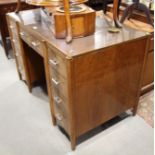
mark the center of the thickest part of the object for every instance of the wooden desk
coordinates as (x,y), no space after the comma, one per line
(5,7)
(89,81)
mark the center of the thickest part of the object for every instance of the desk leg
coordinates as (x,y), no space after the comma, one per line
(29,87)
(47,75)
(134,110)
(73,142)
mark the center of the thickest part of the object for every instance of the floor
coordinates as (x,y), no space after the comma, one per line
(146,108)
(26,127)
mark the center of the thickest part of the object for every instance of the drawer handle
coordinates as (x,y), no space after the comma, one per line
(53,62)
(35,44)
(11,27)
(20,68)
(16,54)
(13,40)
(57,99)
(55,81)
(59,117)
(22,33)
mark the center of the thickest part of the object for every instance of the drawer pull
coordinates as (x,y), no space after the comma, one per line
(16,54)
(20,68)
(35,44)
(22,33)
(13,40)
(55,81)
(59,117)
(53,62)
(57,99)
(11,27)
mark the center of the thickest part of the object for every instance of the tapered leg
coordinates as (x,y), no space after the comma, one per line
(29,87)
(134,110)
(53,120)
(73,142)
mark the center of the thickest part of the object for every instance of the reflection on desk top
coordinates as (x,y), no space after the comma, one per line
(36,18)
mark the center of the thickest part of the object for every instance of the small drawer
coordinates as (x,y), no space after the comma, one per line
(33,42)
(59,84)
(62,117)
(57,63)
(151,43)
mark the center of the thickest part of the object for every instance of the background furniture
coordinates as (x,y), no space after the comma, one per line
(5,7)
(138,21)
(89,81)
(136,5)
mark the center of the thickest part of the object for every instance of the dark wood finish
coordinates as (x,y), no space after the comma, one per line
(5,7)
(91,80)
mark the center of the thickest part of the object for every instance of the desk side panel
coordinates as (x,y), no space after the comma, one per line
(107,83)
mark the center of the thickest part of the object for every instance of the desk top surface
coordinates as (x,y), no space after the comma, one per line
(36,18)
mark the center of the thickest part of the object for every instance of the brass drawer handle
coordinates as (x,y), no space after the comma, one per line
(35,44)
(59,117)
(57,99)
(11,27)
(53,62)
(55,81)
(22,33)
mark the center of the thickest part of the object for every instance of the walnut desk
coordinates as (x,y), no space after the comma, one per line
(89,81)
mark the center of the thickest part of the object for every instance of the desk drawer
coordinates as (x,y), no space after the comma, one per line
(59,83)
(57,63)
(62,117)
(33,42)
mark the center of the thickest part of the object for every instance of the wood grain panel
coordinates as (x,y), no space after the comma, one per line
(106,83)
